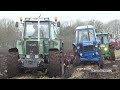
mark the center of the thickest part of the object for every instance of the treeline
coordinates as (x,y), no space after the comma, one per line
(67,30)
(8,33)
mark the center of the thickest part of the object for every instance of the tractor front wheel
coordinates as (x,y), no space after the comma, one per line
(76,61)
(101,63)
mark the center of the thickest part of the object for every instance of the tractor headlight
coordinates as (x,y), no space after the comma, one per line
(105,49)
(96,46)
(80,54)
(27,56)
(78,47)
(97,53)
(36,56)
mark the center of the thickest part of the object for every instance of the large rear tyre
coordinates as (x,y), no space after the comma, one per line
(12,64)
(56,66)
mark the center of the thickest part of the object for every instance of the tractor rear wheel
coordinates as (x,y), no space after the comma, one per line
(55,66)
(112,54)
(12,64)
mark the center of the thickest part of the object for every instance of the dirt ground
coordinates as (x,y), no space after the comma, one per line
(3,54)
(111,70)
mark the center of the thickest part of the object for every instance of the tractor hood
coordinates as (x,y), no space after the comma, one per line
(84,43)
(102,46)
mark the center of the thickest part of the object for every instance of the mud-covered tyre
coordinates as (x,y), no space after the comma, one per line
(112,54)
(55,66)
(12,64)
(101,63)
(76,61)
(21,71)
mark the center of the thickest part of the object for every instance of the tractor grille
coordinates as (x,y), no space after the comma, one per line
(32,47)
(88,48)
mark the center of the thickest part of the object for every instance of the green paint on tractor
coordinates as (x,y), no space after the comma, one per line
(39,48)
(106,50)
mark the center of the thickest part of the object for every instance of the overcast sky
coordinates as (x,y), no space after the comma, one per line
(103,16)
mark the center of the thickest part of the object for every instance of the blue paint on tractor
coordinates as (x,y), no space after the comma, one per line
(87,49)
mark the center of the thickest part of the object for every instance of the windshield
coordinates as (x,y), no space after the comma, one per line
(32,30)
(86,35)
(103,39)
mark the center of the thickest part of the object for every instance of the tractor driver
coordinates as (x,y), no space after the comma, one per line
(36,31)
(84,37)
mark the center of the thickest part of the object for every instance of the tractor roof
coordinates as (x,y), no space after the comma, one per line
(84,27)
(36,19)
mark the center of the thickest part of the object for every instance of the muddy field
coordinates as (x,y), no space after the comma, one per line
(111,70)
(3,54)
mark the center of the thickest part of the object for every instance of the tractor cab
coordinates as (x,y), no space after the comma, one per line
(39,48)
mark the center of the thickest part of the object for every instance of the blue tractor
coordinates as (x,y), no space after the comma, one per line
(86,46)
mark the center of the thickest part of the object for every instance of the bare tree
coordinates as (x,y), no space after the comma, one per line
(8,33)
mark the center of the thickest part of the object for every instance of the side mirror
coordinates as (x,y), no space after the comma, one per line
(16,24)
(58,24)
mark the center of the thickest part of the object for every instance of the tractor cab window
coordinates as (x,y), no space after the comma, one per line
(53,31)
(32,30)
(86,35)
(103,39)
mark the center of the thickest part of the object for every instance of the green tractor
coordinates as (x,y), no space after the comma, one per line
(106,50)
(39,49)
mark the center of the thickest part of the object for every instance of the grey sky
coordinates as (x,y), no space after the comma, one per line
(103,16)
